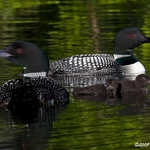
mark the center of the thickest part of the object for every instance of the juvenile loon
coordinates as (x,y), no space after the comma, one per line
(35,61)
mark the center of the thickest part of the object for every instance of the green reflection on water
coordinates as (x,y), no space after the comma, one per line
(63,28)
(94,125)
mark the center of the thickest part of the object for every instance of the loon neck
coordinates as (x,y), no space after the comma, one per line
(123,51)
(125,59)
(33,74)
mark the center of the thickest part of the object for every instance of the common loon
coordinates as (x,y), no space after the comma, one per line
(125,41)
(123,60)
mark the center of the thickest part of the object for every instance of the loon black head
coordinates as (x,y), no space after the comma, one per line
(129,38)
(27,55)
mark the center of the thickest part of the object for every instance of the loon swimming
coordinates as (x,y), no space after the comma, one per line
(123,58)
(115,88)
(36,62)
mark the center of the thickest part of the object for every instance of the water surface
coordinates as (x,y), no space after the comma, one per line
(63,28)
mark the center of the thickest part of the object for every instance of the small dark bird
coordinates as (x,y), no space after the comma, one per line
(115,88)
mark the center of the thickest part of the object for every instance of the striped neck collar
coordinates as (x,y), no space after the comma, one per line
(35,74)
(125,59)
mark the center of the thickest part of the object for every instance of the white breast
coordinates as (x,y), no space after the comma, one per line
(133,69)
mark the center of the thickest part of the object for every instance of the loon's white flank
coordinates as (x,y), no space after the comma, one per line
(133,69)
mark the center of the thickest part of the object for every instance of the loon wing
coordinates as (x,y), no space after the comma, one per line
(84,64)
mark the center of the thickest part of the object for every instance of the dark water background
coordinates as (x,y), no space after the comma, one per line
(63,28)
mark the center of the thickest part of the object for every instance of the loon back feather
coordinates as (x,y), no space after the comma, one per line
(51,86)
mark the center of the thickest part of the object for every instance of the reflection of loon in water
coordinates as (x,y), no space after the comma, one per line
(28,131)
(84,69)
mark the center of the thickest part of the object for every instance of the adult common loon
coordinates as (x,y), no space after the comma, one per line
(125,41)
(36,62)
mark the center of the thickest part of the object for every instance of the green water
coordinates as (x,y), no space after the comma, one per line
(63,28)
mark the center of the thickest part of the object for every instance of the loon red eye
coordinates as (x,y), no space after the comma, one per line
(19,51)
(131,36)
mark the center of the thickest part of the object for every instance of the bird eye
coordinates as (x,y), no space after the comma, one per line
(19,51)
(131,36)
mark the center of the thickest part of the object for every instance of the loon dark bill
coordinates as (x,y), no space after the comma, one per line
(5,54)
(146,40)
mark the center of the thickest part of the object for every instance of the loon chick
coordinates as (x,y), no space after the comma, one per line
(115,88)
(136,87)
(34,60)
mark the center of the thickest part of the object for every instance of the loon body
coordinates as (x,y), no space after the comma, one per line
(93,64)
(56,92)
(29,93)
(85,64)
(122,61)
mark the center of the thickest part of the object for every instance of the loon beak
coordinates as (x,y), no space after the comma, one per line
(4,54)
(146,40)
